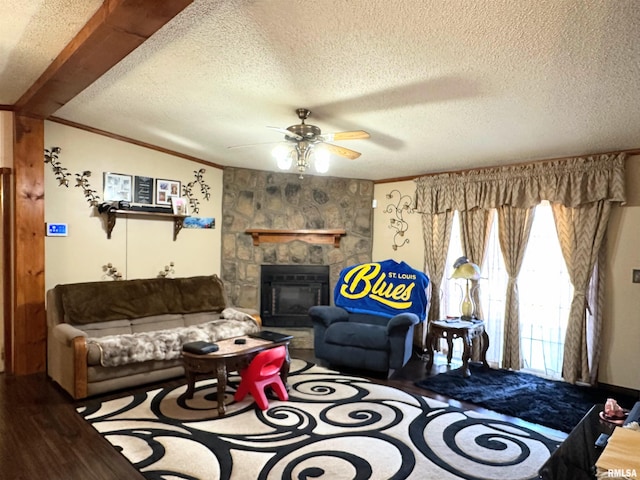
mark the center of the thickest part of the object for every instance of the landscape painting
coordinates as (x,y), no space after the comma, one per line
(199,222)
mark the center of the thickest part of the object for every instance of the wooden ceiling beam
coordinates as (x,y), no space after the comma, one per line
(114,31)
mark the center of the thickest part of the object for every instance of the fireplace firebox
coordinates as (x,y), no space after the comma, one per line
(288,291)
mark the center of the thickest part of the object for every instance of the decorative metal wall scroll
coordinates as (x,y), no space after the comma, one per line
(398,209)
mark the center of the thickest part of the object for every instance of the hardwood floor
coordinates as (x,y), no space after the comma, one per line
(42,436)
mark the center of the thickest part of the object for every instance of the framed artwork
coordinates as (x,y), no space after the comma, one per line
(117,187)
(199,222)
(165,189)
(143,190)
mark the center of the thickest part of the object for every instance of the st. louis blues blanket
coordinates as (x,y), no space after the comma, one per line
(382,288)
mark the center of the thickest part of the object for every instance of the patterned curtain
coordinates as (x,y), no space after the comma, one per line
(595,298)
(475,228)
(581,231)
(571,182)
(436,229)
(514,227)
(594,182)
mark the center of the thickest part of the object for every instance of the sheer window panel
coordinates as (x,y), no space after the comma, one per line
(545,292)
(493,285)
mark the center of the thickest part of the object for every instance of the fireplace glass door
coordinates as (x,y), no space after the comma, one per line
(288,291)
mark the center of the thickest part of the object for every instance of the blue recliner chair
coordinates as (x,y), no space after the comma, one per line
(371,327)
(362,341)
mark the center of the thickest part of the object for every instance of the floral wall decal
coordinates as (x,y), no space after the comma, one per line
(187,190)
(111,272)
(82,181)
(168,272)
(60,172)
(62,175)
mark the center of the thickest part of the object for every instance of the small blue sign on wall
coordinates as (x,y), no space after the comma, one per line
(56,230)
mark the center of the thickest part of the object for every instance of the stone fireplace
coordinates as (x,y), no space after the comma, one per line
(288,291)
(258,200)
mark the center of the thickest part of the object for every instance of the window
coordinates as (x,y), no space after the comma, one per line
(545,293)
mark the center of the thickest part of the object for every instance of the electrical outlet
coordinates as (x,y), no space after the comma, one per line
(636,276)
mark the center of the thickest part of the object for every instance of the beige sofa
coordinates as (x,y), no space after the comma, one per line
(105,336)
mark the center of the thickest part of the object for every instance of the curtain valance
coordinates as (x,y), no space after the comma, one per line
(570,182)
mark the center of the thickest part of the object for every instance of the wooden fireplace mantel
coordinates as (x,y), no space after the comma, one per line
(310,236)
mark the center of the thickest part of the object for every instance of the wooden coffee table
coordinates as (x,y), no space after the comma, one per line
(229,357)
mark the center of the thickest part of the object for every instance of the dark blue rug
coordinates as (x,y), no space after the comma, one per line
(554,404)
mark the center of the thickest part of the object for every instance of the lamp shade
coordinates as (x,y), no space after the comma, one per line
(467,271)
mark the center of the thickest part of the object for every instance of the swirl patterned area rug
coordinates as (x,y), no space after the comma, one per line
(334,426)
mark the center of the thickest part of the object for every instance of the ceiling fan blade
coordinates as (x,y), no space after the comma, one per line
(352,135)
(341,151)
(252,144)
(287,133)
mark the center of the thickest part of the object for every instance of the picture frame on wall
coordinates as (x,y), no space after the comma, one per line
(179,206)
(165,190)
(143,190)
(117,187)
(201,223)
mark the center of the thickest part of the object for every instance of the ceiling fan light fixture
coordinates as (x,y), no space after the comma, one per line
(305,144)
(321,160)
(283,156)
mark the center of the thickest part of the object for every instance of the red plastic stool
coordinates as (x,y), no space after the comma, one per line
(263,371)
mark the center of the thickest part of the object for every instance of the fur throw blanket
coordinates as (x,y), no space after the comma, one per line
(116,350)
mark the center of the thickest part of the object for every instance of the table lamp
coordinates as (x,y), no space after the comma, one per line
(466,270)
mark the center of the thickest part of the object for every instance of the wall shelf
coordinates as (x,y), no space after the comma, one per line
(310,236)
(178,220)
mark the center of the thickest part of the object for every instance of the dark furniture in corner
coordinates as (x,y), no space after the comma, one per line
(576,457)
(362,341)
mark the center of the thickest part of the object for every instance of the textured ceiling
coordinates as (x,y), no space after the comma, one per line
(439,85)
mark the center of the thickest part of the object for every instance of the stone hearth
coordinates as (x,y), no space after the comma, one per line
(255,199)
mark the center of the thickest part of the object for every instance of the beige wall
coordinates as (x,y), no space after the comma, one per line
(139,247)
(620,364)
(620,361)
(6,139)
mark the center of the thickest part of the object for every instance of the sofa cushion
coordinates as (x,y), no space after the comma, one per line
(372,337)
(100,329)
(157,322)
(94,354)
(191,319)
(369,319)
(116,350)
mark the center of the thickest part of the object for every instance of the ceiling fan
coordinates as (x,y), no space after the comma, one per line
(310,133)
(304,142)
